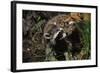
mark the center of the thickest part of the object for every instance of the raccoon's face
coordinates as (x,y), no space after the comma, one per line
(54,32)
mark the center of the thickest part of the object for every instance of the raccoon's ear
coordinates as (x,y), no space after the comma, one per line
(47,36)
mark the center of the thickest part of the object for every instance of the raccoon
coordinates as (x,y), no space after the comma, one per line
(59,36)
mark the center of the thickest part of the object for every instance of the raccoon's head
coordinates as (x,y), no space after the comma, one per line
(53,33)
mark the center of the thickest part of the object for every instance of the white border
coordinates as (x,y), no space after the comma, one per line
(37,65)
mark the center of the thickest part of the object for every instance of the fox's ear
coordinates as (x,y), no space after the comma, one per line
(75,16)
(86,16)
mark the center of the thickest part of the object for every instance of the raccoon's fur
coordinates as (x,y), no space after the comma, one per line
(60,34)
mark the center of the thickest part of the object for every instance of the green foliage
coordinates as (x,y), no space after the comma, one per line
(86,38)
